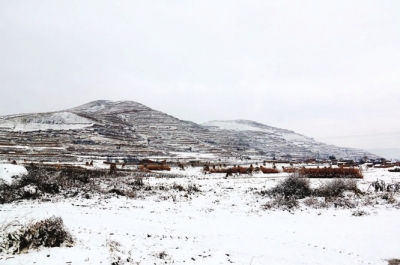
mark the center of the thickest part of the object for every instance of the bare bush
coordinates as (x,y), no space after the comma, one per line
(193,188)
(394,262)
(50,232)
(389,197)
(317,203)
(379,185)
(123,192)
(138,182)
(359,213)
(154,167)
(345,203)
(268,170)
(42,180)
(161,255)
(178,187)
(311,201)
(336,187)
(280,202)
(118,254)
(330,172)
(293,186)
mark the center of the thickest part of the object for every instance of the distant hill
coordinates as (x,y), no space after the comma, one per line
(278,142)
(127,129)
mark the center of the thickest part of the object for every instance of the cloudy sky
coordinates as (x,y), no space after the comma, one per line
(326,69)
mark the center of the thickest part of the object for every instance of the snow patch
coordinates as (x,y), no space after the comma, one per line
(9,173)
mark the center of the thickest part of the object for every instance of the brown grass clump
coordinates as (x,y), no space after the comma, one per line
(266,170)
(232,170)
(290,169)
(154,167)
(331,173)
(219,170)
(394,262)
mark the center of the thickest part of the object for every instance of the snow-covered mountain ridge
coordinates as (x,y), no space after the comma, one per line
(125,128)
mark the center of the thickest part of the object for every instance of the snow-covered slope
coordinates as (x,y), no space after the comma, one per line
(246,125)
(238,125)
(272,141)
(44,121)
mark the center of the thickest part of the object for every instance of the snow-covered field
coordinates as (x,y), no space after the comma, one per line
(224,223)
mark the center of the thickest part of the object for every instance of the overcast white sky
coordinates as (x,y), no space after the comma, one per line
(326,69)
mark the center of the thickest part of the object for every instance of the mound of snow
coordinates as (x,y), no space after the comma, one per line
(9,173)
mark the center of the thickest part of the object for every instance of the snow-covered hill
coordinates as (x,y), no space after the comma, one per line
(246,125)
(272,141)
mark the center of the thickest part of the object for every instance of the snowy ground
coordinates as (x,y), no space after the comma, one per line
(223,224)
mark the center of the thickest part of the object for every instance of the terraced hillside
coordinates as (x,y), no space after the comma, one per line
(271,141)
(102,129)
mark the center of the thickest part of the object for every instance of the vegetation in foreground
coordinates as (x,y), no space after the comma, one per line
(50,232)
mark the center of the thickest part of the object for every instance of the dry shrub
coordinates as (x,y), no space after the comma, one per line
(389,197)
(280,202)
(48,180)
(154,167)
(138,182)
(231,170)
(331,172)
(290,169)
(293,186)
(130,194)
(394,262)
(336,187)
(50,232)
(311,201)
(161,255)
(266,170)
(345,203)
(316,203)
(82,174)
(370,200)
(359,213)
(123,192)
(118,253)
(178,187)
(220,170)
(193,188)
